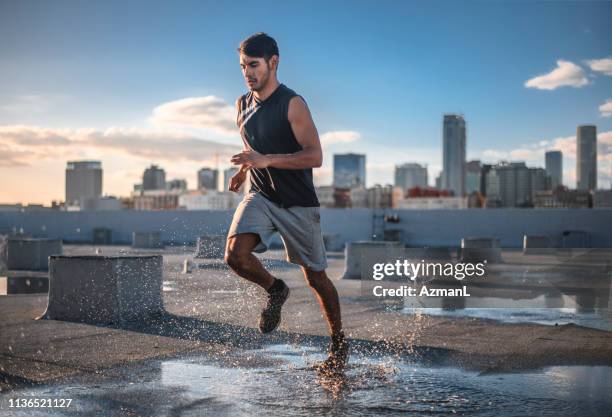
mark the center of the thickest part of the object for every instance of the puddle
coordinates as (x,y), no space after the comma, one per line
(278,380)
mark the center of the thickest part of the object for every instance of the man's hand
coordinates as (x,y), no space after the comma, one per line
(251,158)
(237,180)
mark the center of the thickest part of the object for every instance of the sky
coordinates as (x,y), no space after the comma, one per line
(135,83)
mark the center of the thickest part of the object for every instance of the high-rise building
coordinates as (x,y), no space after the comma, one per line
(208,179)
(439,181)
(586,157)
(453,154)
(472,176)
(554,167)
(484,170)
(154,178)
(514,184)
(349,170)
(410,175)
(83,180)
(227,175)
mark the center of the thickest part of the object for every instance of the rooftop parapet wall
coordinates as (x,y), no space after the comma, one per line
(418,227)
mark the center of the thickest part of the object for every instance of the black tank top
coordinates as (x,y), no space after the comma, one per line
(265,128)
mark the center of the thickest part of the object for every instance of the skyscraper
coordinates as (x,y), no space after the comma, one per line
(154,178)
(83,180)
(410,175)
(554,167)
(586,157)
(349,170)
(453,158)
(227,175)
(208,179)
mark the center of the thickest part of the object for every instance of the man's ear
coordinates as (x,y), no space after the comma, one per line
(274,62)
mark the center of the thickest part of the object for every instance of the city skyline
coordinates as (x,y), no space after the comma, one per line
(137,95)
(154,171)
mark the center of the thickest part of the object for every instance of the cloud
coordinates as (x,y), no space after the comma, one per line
(207,112)
(11,158)
(603,65)
(339,136)
(606,109)
(566,74)
(24,145)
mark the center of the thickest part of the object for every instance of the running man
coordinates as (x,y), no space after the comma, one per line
(281,146)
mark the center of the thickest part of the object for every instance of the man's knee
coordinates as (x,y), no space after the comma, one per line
(234,258)
(238,250)
(316,279)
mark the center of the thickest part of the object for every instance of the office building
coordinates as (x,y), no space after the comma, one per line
(208,179)
(586,157)
(453,154)
(227,175)
(177,184)
(154,178)
(410,175)
(514,184)
(349,170)
(83,180)
(554,167)
(472,177)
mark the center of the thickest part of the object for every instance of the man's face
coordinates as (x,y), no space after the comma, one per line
(256,71)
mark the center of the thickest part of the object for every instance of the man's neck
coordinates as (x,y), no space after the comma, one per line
(267,91)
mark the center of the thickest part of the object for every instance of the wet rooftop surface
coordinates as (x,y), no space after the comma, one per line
(205,356)
(278,380)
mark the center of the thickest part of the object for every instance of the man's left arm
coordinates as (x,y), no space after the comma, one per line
(305,132)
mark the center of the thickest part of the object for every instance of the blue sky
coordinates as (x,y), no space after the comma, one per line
(378,77)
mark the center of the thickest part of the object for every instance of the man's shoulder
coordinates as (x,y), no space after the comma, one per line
(288,91)
(243,98)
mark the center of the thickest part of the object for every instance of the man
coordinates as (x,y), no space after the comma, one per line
(281,146)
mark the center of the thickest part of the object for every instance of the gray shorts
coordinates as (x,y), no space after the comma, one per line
(299,228)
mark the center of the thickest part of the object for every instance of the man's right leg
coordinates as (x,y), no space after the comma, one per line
(239,256)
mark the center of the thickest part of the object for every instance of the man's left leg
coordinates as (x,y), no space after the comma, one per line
(327,295)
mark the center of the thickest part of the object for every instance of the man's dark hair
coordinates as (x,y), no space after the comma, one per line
(259,45)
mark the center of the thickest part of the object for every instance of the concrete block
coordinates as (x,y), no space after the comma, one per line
(333,242)
(480,249)
(354,253)
(104,289)
(31,253)
(537,245)
(211,246)
(147,240)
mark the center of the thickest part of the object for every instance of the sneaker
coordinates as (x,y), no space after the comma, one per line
(271,314)
(338,356)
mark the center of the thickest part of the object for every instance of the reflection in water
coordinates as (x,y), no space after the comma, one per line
(556,289)
(546,309)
